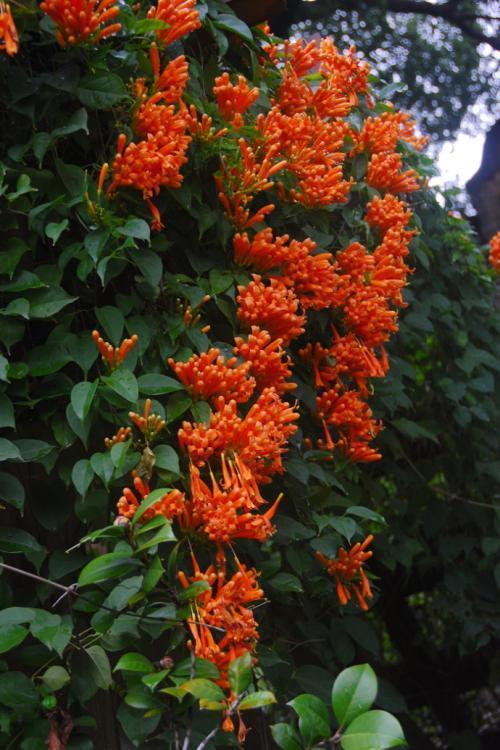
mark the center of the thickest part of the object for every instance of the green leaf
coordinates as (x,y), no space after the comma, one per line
(164,534)
(286,583)
(150,266)
(257,700)
(82,395)
(156,384)
(112,321)
(11,636)
(16,615)
(286,737)
(314,723)
(240,673)
(375,730)
(151,499)
(133,662)
(414,430)
(353,692)
(77,121)
(101,91)
(136,228)
(82,475)
(8,450)
(7,418)
(18,540)
(106,567)
(47,302)
(362,512)
(124,383)
(18,692)
(55,678)
(166,458)
(232,23)
(205,689)
(11,491)
(100,669)
(54,230)
(194,590)
(50,630)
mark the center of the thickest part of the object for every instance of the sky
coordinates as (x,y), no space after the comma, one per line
(458,160)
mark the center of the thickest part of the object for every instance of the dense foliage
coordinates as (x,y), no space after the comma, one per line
(211,313)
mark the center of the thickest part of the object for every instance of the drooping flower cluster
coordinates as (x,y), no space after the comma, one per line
(494,254)
(179,16)
(9,40)
(347,569)
(155,161)
(82,21)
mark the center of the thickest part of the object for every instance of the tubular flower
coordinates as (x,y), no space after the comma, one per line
(494,254)
(346,358)
(123,434)
(312,276)
(223,627)
(227,510)
(81,21)
(149,424)
(263,253)
(233,99)
(273,307)
(200,127)
(210,375)
(368,314)
(150,164)
(171,82)
(9,39)
(269,363)
(381,134)
(180,15)
(259,439)
(384,174)
(347,569)
(170,505)
(353,420)
(387,212)
(346,72)
(114,356)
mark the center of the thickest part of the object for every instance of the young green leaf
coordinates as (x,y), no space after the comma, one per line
(314,723)
(353,692)
(374,730)
(240,673)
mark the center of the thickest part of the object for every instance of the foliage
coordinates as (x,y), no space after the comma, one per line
(422,50)
(133,633)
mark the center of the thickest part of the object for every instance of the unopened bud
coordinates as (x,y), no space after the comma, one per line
(121,521)
(167,662)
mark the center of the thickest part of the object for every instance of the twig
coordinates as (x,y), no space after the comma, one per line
(187,738)
(72,590)
(232,708)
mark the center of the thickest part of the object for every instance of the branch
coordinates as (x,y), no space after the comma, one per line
(446,11)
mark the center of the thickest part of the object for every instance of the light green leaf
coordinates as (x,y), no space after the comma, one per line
(106,567)
(240,673)
(55,678)
(134,662)
(353,692)
(82,395)
(374,730)
(11,636)
(153,498)
(205,689)
(257,700)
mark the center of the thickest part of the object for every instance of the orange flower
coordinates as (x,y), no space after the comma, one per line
(172,81)
(312,276)
(384,175)
(347,73)
(180,15)
(385,213)
(170,505)
(494,255)
(210,375)
(222,626)
(114,356)
(273,307)
(259,439)
(381,134)
(233,99)
(200,127)
(263,253)
(123,434)
(269,364)
(9,39)
(150,164)
(347,569)
(352,419)
(80,21)
(368,314)
(149,424)
(227,511)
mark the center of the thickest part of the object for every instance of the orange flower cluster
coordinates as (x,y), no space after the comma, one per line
(149,424)
(123,434)
(179,16)
(381,134)
(269,363)
(9,40)
(114,356)
(347,569)
(170,505)
(223,626)
(494,254)
(273,306)
(384,174)
(155,161)
(209,375)
(233,100)
(259,438)
(82,21)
